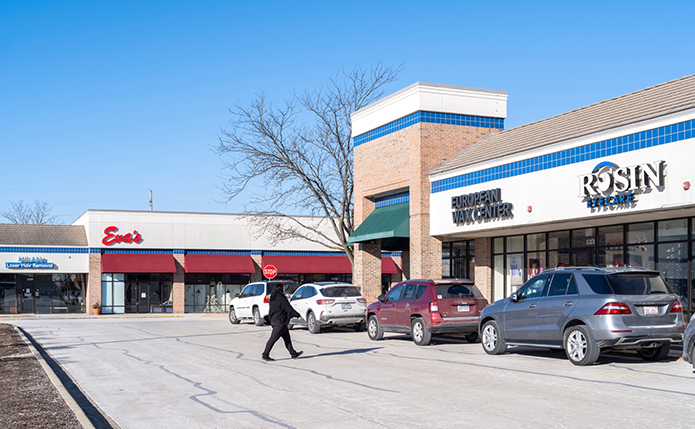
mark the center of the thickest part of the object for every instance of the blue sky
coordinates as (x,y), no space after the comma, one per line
(102,101)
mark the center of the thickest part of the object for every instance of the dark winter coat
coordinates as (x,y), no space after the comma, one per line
(281,310)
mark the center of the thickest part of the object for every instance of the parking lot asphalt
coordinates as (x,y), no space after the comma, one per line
(203,372)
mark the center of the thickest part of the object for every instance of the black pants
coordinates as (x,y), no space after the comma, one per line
(279,330)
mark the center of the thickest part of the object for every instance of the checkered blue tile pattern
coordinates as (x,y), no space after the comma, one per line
(429,117)
(389,200)
(304,253)
(628,143)
(44,250)
(139,251)
(219,252)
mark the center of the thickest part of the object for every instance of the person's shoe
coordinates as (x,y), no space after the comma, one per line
(267,358)
(296,355)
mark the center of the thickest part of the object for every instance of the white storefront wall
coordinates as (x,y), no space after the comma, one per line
(37,262)
(202,231)
(550,199)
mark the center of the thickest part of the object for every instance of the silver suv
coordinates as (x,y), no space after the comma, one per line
(585,310)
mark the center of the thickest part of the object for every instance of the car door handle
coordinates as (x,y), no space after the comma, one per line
(568,304)
(532,306)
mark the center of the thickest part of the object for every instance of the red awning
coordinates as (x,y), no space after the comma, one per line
(219,264)
(286,264)
(388,265)
(137,263)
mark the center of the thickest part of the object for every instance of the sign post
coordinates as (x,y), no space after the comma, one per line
(269,271)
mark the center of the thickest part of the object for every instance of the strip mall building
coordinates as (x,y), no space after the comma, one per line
(604,185)
(441,190)
(143,262)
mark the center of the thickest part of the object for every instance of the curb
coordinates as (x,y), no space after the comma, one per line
(51,366)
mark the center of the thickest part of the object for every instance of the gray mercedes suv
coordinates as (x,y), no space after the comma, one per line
(585,310)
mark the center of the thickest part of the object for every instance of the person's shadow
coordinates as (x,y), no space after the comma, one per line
(343,352)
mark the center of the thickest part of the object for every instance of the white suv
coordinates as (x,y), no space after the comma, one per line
(329,304)
(252,302)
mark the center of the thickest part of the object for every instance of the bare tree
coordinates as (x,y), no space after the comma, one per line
(296,160)
(39,214)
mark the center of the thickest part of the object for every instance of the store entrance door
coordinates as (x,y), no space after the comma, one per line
(26,296)
(137,297)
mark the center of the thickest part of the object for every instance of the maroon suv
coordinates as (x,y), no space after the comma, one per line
(425,307)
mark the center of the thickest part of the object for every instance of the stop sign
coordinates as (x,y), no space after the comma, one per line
(269,271)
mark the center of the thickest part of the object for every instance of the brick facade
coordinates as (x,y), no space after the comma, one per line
(93,281)
(397,161)
(179,284)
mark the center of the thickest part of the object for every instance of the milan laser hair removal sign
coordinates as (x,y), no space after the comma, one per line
(609,185)
(479,206)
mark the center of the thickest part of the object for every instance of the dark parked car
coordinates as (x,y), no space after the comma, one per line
(689,343)
(422,308)
(586,310)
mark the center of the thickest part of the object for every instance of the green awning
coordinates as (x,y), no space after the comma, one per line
(384,223)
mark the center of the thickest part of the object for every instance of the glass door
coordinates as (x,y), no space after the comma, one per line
(27,297)
(137,297)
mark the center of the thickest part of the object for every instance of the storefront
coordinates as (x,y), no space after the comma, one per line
(605,185)
(43,270)
(152,262)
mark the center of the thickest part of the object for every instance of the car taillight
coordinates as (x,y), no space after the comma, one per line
(266,299)
(325,301)
(434,306)
(614,308)
(436,318)
(677,307)
(362,300)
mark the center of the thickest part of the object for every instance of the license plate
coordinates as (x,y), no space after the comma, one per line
(652,309)
(346,306)
(464,308)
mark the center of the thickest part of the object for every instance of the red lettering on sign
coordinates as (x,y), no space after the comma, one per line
(113,238)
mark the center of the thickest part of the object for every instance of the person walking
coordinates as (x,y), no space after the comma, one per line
(281,312)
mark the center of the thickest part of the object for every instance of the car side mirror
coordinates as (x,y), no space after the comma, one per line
(514,297)
(236,295)
(381,298)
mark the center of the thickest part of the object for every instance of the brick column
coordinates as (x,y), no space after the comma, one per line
(483,266)
(405,264)
(258,262)
(367,269)
(179,286)
(93,282)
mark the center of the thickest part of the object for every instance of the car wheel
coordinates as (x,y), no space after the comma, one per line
(312,323)
(580,347)
(232,316)
(374,329)
(257,319)
(692,350)
(359,327)
(655,354)
(418,330)
(492,340)
(473,337)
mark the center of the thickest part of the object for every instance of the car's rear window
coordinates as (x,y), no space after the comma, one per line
(289,287)
(627,284)
(340,291)
(457,291)
(638,284)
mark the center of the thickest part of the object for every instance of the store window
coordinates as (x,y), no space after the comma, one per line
(42,293)
(458,260)
(666,246)
(212,293)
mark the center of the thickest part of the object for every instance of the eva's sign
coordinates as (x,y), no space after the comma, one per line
(26,262)
(479,206)
(112,238)
(610,185)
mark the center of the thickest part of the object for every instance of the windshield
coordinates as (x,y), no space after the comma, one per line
(456,291)
(338,291)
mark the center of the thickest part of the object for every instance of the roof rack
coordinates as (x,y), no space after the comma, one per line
(573,268)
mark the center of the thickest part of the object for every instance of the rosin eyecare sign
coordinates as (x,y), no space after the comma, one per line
(609,185)
(479,206)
